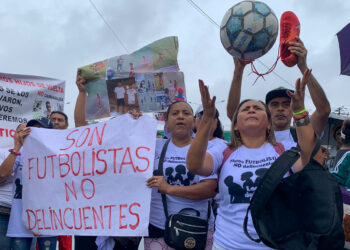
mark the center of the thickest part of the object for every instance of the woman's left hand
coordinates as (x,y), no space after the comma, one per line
(207,102)
(297,98)
(135,113)
(160,183)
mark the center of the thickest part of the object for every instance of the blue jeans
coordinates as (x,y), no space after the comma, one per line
(44,243)
(4,241)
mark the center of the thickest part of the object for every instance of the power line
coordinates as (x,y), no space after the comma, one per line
(108,25)
(201,11)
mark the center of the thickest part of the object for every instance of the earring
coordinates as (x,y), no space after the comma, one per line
(238,135)
(268,132)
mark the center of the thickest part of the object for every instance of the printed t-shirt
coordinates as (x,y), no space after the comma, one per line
(120,91)
(239,178)
(131,96)
(341,170)
(16,227)
(6,185)
(176,173)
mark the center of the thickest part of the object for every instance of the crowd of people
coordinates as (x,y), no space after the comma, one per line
(201,170)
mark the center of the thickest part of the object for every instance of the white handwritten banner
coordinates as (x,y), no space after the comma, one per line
(89,180)
(25,97)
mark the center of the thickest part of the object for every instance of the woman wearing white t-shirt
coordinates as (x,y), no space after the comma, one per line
(182,188)
(254,150)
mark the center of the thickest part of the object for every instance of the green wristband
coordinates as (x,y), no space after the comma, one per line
(300,112)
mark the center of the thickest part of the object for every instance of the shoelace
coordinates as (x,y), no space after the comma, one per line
(255,71)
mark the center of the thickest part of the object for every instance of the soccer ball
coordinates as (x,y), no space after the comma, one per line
(248,30)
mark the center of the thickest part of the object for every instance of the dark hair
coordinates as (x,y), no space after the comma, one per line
(218,131)
(236,140)
(61,113)
(47,102)
(169,108)
(345,130)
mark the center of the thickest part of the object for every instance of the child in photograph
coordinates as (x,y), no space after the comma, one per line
(119,93)
(132,97)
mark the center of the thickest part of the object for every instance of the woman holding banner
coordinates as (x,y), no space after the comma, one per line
(182,188)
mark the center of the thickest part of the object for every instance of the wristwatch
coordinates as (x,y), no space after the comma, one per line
(302,122)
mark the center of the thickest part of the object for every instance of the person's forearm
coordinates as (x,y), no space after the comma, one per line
(6,168)
(235,92)
(197,151)
(203,190)
(320,117)
(79,111)
(307,141)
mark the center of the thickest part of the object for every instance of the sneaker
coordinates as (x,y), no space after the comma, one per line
(290,28)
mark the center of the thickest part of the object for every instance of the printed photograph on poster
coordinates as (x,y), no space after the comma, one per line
(158,90)
(94,71)
(122,95)
(97,104)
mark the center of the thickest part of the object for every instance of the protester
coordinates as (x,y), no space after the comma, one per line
(59,119)
(182,188)
(278,101)
(21,238)
(255,149)
(6,193)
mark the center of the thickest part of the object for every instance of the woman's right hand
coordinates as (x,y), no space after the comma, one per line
(208,103)
(80,81)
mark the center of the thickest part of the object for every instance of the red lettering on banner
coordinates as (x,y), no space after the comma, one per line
(114,150)
(63,164)
(38,219)
(83,188)
(104,162)
(4,132)
(29,167)
(37,168)
(58,218)
(99,218)
(122,216)
(81,222)
(99,137)
(28,217)
(46,228)
(86,217)
(85,173)
(87,135)
(142,158)
(133,227)
(110,215)
(70,139)
(71,163)
(64,218)
(52,165)
(72,190)
(127,153)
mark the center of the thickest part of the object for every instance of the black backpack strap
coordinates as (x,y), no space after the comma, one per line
(272,179)
(293,132)
(269,183)
(160,172)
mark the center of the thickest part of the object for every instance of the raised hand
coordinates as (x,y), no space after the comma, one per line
(298,49)
(208,103)
(80,81)
(297,98)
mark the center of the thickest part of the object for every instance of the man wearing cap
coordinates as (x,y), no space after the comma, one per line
(278,100)
(21,238)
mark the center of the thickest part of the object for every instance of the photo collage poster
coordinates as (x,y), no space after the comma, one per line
(147,80)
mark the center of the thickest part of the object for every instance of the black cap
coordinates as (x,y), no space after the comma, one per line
(279,92)
(43,121)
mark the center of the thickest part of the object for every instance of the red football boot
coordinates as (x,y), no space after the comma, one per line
(290,28)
